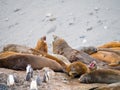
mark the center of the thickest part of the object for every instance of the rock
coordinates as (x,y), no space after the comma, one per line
(6,19)
(91,13)
(49,15)
(89,28)
(17,9)
(82,36)
(84,41)
(105,27)
(96,9)
(52,19)
(3,87)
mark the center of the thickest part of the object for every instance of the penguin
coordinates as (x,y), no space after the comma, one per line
(33,85)
(10,80)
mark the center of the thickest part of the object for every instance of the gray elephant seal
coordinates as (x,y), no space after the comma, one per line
(101,76)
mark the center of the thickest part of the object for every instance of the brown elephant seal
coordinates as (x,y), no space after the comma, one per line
(76,68)
(20,61)
(111,58)
(42,45)
(17,48)
(111,44)
(101,76)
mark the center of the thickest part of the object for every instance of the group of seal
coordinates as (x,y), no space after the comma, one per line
(74,64)
(106,73)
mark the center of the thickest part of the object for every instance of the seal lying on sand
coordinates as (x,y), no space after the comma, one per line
(113,86)
(20,61)
(73,69)
(101,76)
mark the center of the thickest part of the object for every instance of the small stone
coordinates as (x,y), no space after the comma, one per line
(89,28)
(71,23)
(17,9)
(49,14)
(6,19)
(52,19)
(82,36)
(105,27)
(91,13)
(96,9)
(99,22)
(21,13)
(3,87)
(52,29)
(84,41)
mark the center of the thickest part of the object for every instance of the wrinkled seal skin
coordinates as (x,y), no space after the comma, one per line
(20,61)
(101,76)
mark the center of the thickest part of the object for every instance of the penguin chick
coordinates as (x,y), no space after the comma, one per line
(38,80)
(10,80)
(33,85)
(28,76)
(46,76)
(29,72)
(29,68)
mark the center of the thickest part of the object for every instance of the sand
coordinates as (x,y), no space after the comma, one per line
(79,22)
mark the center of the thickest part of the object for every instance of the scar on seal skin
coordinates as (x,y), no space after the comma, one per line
(20,61)
(101,76)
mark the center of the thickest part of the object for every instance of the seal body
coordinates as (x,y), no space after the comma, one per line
(101,76)
(20,61)
(113,86)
